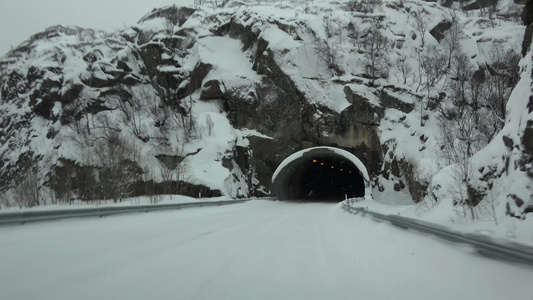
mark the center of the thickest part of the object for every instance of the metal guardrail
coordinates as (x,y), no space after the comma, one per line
(36,216)
(483,245)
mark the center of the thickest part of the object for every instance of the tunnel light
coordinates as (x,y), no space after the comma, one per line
(314,160)
(321,164)
(332,167)
(341,170)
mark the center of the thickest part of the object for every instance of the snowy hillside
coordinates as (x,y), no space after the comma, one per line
(210,100)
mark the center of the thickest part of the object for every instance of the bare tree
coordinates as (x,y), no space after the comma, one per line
(460,75)
(505,63)
(404,71)
(327,51)
(131,107)
(419,78)
(421,27)
(329,54)
(460,140)
(503,77)
(453,36)
(434,65)
(354,33)
(376,46)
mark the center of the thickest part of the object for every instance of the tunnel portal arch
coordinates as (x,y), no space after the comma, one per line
(320,173)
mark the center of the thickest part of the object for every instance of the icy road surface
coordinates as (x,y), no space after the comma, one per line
(257,250)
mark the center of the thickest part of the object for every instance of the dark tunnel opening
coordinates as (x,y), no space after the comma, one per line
(319,176)
(326,179)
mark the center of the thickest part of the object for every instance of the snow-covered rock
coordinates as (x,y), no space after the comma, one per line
(217,98)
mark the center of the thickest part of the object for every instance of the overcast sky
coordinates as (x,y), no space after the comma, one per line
(19,19)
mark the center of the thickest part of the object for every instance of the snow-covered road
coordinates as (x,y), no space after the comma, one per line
(255,250)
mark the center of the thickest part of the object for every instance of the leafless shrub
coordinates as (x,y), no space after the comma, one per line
(214,3)
(329,54)
(80,123)
(490,203)
(422,207)
(362,6)
(118,169)
(173,178)
(514,14)
(27,192)
(188,121)
(489,12)
(86,35)
(68,195)
(4,200)
(329,27)
(12,52)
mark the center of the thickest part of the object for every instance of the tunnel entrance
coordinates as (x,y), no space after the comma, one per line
(320,174)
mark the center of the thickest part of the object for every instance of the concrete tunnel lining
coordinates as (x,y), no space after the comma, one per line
(303,176)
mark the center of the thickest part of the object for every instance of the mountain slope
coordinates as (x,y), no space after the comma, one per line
(201,100)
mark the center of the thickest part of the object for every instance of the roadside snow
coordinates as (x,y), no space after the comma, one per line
(256,250)
(445,213)
(133,201)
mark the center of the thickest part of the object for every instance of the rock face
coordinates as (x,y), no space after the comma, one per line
(200,101)
(505,165)
(527,18)
(520,201)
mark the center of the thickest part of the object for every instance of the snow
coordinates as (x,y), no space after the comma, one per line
(226,55)
(132,201)
(278,39)
(338,151)
(257,250)
(295,52)
(507,230)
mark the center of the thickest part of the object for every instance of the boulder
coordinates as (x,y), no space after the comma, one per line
(527,138)
(438,32)
(211,90)
(361,110)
